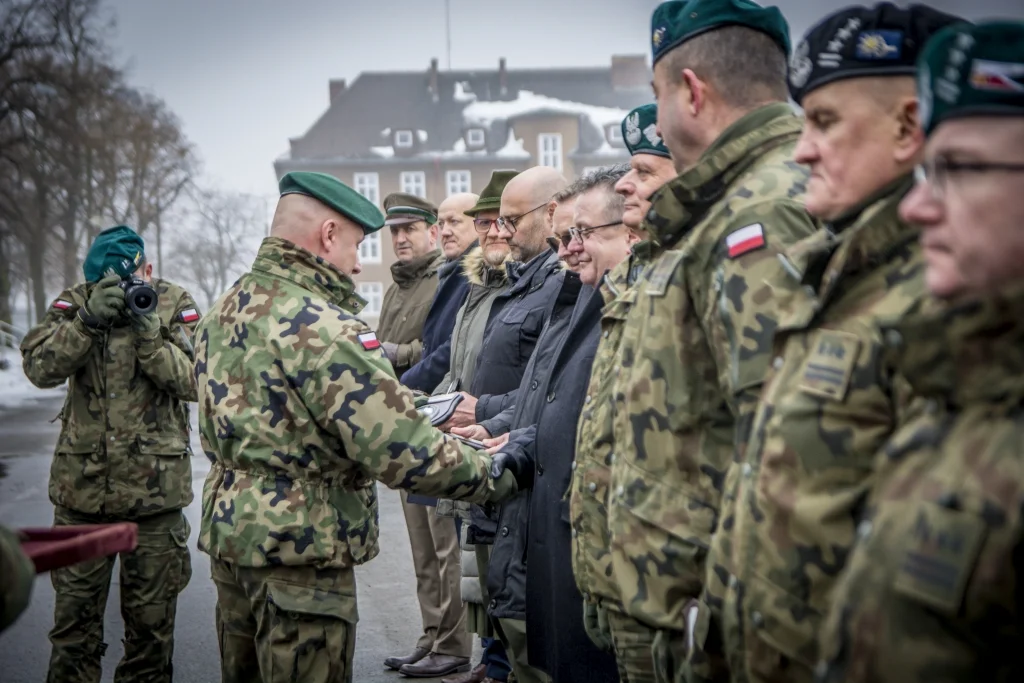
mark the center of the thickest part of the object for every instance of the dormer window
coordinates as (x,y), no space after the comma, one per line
(475,137)
(615,135)
(403,138)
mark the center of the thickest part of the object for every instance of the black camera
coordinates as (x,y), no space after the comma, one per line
(139,295)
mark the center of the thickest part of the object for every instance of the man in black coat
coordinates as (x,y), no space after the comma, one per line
(534,525)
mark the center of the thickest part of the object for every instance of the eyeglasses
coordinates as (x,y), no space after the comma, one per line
(509,222)
(581,233)
(936,172)
(483,225)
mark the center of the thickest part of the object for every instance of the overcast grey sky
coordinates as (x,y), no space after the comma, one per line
(246,75)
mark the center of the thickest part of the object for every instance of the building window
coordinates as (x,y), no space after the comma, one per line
(369,248)
(403,138)
(615,135)
(475,137)
(373,292)
(458,181)
(550,147)
(415,183)
(368,185)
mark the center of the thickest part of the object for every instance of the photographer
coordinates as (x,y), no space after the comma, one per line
(124,346)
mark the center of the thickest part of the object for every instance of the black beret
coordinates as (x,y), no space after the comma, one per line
(884,40)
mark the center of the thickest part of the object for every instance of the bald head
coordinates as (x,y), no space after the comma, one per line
(528,202)
(319,229)
(456,228)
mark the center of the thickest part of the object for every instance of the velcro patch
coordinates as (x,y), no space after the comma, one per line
(939,556)
(829,367)
(369,341)
(62,305)
(189,315)
(745,240)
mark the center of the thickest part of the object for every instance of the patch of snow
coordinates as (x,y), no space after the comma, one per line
(386,152)
(15,389)
(386,132)
(422,135)
(463,93)
(513,148)
(483,113)
(606,150)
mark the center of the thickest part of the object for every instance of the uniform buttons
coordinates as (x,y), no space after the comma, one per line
(893,338)
(777,363)
(747,469)
(931,406)
(605,335)
(551,397)
(864,530)
(809,291)
(621,491)
(113,438)
(587,400)
(757,619)
(611,458)
(540,470)
(113,396)
(574,533)
(504,531)
(494,603)
(592,487)
(821,670)
(533,385)
(732,582)
(573,465)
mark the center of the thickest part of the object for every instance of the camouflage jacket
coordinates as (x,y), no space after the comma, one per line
(16,578)
(591,471)
(831,399)
(695,345)
(124,443)
(932,589)
(300,412)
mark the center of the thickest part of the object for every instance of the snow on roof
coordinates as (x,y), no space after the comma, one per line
(513,147)
(386,132)
(606,150)
(386,152)
(484,113)
(462,92)
(422,135)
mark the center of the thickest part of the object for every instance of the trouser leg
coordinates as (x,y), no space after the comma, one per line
(236,627)
(451,637)
(633,643)
(427,567)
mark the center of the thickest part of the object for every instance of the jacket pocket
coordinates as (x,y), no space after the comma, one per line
(781,630)
(530,322)
(77,477)
(159,476)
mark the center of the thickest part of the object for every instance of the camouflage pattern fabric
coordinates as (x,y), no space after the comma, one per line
(831,400)
(693,354)
(299,413)
(123,451)
(17,574)
(932,592)
(152,576)
(285,624)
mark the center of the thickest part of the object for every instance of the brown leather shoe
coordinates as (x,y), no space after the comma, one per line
(478,674)
(397,663)
(435,665)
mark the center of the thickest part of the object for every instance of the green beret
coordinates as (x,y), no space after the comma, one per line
(120,249)
(639,130)
(676,21)
(972,70)
(337,195)
(490,198)
(404,208)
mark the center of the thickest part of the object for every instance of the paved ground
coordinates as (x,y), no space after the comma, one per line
(389,615)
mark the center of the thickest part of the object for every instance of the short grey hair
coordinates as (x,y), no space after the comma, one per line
(603,178)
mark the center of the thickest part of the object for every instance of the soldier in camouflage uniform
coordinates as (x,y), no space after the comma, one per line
(830,397)
(123,455)
(650,168)
(16,578)
(299,413)
(698,327)
(932,588)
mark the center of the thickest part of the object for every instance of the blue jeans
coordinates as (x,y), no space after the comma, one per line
(494,657)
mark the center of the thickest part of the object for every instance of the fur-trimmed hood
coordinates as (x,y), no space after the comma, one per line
(479,273)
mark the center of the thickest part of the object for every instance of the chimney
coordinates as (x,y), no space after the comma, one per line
(630,72)
(434,91)
(336,86)
(502,76)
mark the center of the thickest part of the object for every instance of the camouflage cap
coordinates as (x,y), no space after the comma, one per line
(857,42)
(490,196)
(640,132)
(120,249)
(401,208)
(335,194)
(676,21)
(968,70)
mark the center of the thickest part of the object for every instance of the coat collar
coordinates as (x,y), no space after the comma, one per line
(283,259)
(420,268)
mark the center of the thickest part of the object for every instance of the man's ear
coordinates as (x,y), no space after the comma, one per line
(696,92)
(549,216)
(328,234)
(432,231)
(910,137)
(148,270)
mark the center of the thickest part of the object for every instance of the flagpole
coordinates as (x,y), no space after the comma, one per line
(448,31)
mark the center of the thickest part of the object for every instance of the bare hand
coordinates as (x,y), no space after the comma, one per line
(465,413)
(494,445)
(472,432)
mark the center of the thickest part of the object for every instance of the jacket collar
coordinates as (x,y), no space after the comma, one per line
(683,202)
(421,267)
(524,276)
(478,272)
(452,266)
(282,259)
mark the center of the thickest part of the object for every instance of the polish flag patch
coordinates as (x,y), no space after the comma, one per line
(745,240)
(369,341)
(62,305)
(189,315)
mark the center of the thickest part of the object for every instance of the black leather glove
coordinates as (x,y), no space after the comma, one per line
(516,461)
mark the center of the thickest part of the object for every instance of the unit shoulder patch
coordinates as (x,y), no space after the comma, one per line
(745,240)
(369,340)
(189,315)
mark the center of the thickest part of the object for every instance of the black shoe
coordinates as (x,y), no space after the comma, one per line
(397,663)
(435,665)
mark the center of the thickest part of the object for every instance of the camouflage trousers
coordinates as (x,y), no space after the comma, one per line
(669,653)
(633,642)
(285,624)
(152,576)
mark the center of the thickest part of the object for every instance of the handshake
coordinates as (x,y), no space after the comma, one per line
(112,296)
